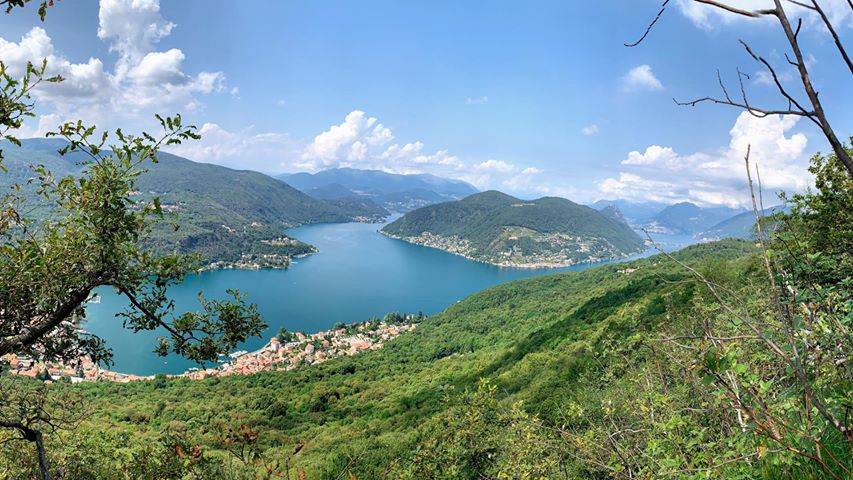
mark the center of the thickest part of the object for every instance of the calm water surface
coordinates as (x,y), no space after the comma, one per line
(357,274)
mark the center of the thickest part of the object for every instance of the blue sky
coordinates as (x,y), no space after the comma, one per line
(533,98)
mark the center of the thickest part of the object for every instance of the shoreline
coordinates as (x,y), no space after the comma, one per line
(246,262)
(278,354)
(526,266)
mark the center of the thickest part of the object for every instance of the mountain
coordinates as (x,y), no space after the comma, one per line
(567,349)
(741,225)
(636,213)
(331,191)
(223,213)
(496,228)
(392,191)
(613,212)
(688,218)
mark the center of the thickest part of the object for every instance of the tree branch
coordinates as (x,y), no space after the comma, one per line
(740,11)
(832,32)
(35,436)
(650,26)
(32,334)
(822,121)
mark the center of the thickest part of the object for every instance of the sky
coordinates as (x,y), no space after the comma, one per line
(532,98)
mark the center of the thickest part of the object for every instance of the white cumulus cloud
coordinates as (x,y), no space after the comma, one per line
(132,27)
(719,177)
(359,141)
(641,78)
(142,81)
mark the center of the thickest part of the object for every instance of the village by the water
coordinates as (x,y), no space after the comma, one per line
(285,351)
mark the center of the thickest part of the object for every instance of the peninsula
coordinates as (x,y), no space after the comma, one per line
(502,230)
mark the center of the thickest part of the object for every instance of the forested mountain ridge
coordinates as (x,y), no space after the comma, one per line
(222,214)
(497,228)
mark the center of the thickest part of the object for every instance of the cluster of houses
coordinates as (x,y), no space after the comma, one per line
(84,370)
(283,352)
(300,349)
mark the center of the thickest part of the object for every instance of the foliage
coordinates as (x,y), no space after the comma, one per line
(573,375)
(215,212)
(50,268)
(558,344)
(495,224)
(15,100)
(9,5)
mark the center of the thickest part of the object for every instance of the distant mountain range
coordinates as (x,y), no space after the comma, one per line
(223,213)
(635,213)
(500,229)
(394,192)
(687,218)
(683,218)
(738,226)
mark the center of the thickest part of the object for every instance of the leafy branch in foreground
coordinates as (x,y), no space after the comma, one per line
(15,99)
(49,271)
(9,5)
(771,358)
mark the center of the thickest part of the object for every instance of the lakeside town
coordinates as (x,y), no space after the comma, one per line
(285,351)
(555,250)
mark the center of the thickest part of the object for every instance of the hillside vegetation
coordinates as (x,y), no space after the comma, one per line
(221,213)
(498,228)
(482,387)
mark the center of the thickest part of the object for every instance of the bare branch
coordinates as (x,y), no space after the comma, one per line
(758,112)
(819,113)
(834,34)
(740,11)
(801,4)
(775,77)
(650,26)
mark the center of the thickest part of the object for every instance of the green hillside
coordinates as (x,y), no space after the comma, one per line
(560,344)
(501,229)
(222,213)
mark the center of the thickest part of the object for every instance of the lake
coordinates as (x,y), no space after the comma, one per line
(357,274)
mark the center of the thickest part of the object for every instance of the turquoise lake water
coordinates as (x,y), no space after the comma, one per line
(357,274)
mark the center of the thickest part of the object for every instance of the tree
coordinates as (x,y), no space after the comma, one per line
(755,368)
(776,353)
(285,336)
(50,267)
(813,110)
(31,409)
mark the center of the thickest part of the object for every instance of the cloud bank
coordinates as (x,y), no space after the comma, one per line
(142,82)
(661,174)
